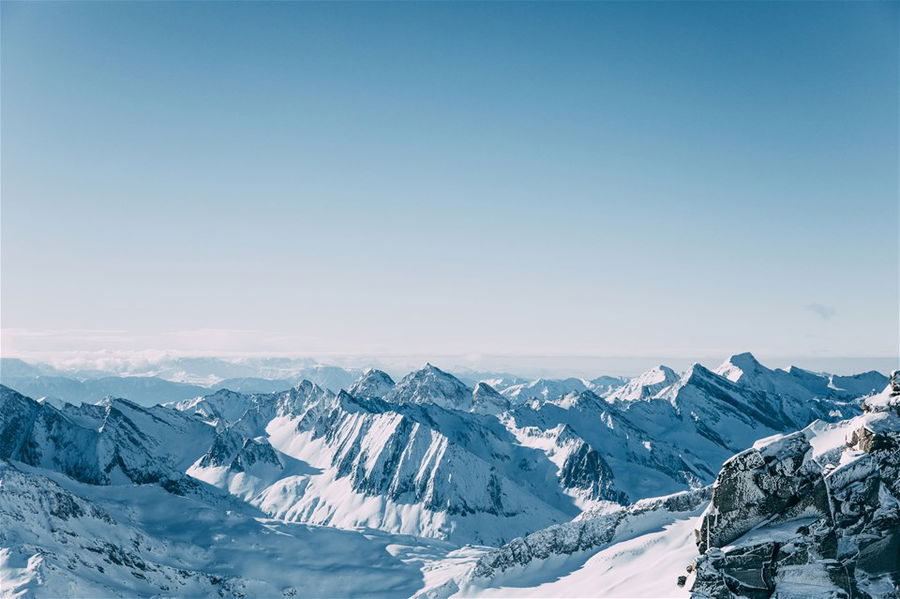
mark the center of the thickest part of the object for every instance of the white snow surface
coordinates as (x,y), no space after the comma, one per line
(647,565)
(647,385)
(59,538)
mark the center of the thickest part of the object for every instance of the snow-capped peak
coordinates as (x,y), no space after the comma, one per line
(486,399)
(306,392)
(544,389)
(430,384)
(372,384)
(646,385)
(738,365)
(604,385)
(798,384)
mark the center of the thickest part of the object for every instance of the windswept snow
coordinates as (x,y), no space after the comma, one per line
(647,565)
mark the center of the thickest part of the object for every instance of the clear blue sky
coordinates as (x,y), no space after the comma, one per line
(606,178)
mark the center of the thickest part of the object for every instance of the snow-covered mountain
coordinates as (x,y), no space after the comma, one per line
(634,551)
(407,467)
(604,385)
(646,385)
(662,433)
(544,389)
(813,513)
(373,384)
(429,457)
(486,400)
(402,459)
(432,385)
(602,454)
(115,442)
(797,383)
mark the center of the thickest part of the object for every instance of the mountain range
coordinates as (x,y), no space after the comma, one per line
(417,477)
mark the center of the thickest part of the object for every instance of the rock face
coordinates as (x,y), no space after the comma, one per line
(584,469)
(775,479)
(116,442)
(810,514)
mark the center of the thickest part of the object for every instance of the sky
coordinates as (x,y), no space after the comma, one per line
(532,179)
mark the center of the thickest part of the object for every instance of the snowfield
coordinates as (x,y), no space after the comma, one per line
(645,566)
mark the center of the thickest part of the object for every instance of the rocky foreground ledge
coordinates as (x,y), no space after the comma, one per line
(815,513)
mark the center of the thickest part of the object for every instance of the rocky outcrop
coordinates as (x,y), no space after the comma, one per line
(253,452)
(232,451)
(777,480)
(813,513)
(585,470)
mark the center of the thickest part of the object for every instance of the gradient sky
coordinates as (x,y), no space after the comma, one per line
(596,179)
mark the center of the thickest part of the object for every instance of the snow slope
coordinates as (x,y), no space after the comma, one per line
(646,385)
(60,538)
(409,468)
(605,555)
(544,389)
(647,565)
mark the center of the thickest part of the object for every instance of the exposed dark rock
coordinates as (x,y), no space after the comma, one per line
(99,444)
(776,481)
(586,469)
(825,522)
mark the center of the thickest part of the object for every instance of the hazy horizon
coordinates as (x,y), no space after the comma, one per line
(527,366)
